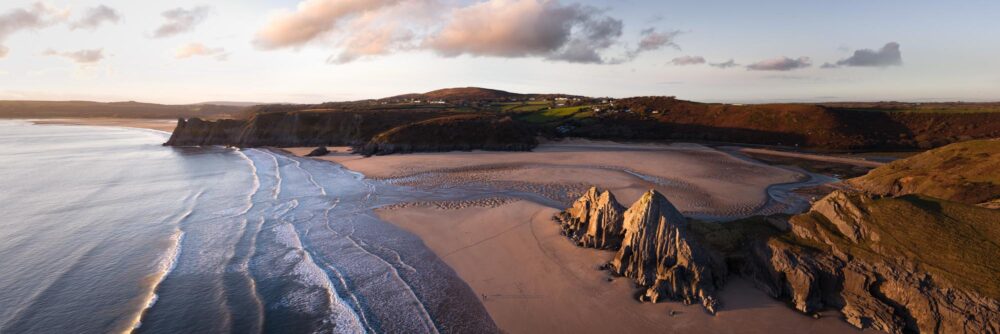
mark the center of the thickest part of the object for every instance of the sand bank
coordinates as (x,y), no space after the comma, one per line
(700,181)
(534,280)
(165,125)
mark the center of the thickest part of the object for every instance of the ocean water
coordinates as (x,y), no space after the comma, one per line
(104,230)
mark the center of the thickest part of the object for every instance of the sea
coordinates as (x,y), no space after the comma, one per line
(104,230)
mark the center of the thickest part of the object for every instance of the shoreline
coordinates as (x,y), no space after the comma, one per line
(161,125)
(531,278)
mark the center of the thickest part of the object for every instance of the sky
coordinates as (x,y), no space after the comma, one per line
(310,51)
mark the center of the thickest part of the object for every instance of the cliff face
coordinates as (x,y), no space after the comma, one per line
(660,253)
(595,220)
(452,133)
(295,128)
(897,265)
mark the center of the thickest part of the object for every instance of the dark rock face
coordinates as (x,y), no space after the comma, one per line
(452,133)
(595,220)
(319,152)
(660,253)
(887,293)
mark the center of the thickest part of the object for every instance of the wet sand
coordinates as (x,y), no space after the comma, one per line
(701,181)
(534,280)
(165,125)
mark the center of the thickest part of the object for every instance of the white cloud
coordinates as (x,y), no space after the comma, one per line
(200,50)
(82,57)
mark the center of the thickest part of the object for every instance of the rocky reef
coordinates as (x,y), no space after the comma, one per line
(595,220)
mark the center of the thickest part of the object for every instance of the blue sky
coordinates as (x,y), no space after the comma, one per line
(353,49)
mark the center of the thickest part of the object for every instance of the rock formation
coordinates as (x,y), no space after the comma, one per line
(594,221)
(835,258)
(659,253)
(319,152)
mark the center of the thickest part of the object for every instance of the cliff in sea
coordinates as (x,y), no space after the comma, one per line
(594,221)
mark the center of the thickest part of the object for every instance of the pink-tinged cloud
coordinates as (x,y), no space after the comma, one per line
(82,57)
(522,28)
(37,16)
(546,29)
(780,64)
(200,50)
(312,19)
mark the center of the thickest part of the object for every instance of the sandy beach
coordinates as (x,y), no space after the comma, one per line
(534,280)
(165,125)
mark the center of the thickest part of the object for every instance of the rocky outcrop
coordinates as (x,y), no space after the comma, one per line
(835,258)
(594,221)
(319,152)
(660,254)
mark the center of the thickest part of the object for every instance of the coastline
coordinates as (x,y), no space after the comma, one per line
(162,125)
(531,278)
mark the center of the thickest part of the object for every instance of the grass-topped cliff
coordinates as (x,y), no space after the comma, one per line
(967,172)
(814,126)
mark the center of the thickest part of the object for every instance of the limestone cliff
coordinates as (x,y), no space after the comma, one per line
(660,253)
(594,221)
(899,265)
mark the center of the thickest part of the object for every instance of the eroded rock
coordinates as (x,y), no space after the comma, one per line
(659,253)
(595,220)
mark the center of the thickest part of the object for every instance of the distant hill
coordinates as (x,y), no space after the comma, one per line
(473,94)
(131,109)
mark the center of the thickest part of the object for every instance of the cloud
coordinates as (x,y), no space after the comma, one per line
(780,64)
(654,40)
(80,57)
(180,20)
(888,55)
(198,49)
(688,60)
(37,16)
(525,28)
(312,19)
(546,29)
(96,16)
(725,64)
